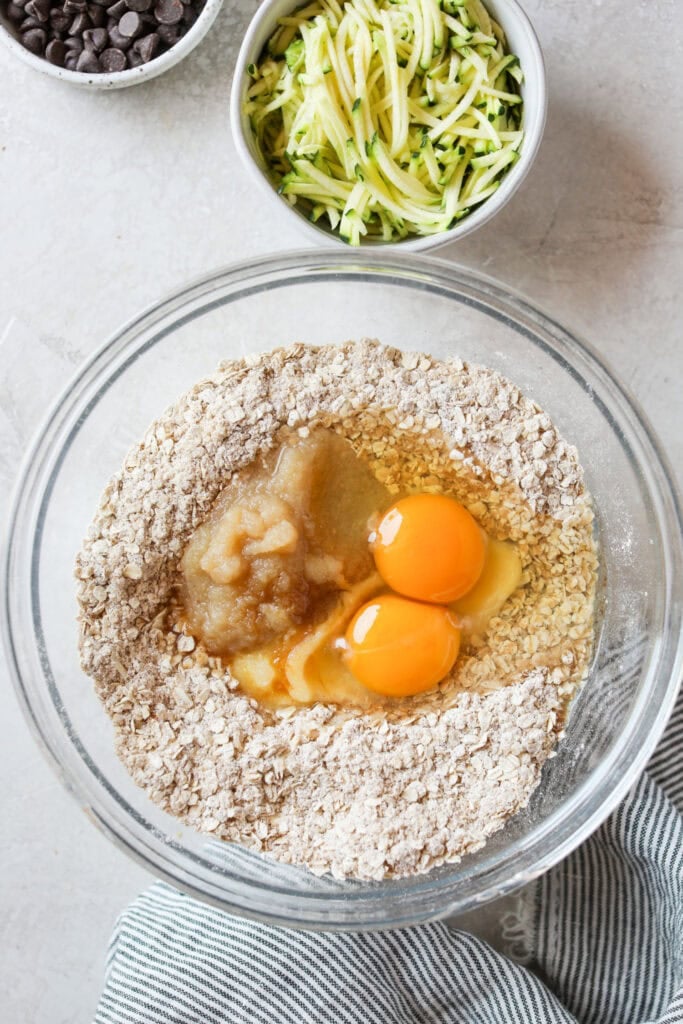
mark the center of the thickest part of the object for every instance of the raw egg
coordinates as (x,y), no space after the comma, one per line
(501,577)
(398,647)
(429,547)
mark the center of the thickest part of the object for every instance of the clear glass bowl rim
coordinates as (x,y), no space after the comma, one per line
(366,907)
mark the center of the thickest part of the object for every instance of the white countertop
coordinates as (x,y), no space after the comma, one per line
(109,200)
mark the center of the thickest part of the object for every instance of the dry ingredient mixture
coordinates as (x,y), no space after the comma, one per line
(355,791)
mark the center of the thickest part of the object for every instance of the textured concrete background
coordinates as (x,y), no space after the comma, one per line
(107,201)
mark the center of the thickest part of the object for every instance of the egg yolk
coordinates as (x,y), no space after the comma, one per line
(429,547)
(398,647)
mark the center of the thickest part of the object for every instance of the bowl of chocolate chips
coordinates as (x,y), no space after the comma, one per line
(104,44)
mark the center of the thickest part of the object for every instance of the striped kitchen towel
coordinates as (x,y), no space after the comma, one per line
(604,946)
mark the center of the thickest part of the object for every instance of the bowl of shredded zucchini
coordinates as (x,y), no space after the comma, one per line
(389,122)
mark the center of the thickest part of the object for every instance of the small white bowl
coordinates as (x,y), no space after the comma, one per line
(117,79)
(521,40)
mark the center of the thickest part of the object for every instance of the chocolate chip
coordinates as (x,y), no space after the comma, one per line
(113,60)
(71,60)
(34,40)
(169,34)
(74,6)
(130,25)
(138,5)
(88,62)
(95,39)
(15,13)
(38,9)
(119,41)
(134,59)
(80,24)
(147,47)
(55,52)
(189,17)
(74,43)
(20,3)
(117,10)
(97,15)
(59,20)
(168,12)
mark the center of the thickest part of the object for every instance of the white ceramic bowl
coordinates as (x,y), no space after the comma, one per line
(521,40)
(118,79)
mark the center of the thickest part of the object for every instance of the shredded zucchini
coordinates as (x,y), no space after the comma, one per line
(387,118)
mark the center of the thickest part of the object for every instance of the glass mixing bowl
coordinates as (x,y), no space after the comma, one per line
(426,304)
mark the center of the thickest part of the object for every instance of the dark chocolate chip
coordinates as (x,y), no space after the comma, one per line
(168,12)
(74,6)
(95,39)
(88,62)
(139,5)
(34,40)
(130,25)
(15,13)
(59,20)
(134,59)
(71,60)
(147,47)
(113,60)
(80,24)
(29,23)
(97,15)
(189,17)
(74,43)
(117,10)
(38,9)
(20,3)
(119,41)
(169,34)
(56,52)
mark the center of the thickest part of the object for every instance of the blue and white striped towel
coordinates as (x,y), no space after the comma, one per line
(605,946)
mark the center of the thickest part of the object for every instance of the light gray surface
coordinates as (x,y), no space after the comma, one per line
(108,201)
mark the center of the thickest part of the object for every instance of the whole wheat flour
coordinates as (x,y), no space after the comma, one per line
(342,790)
